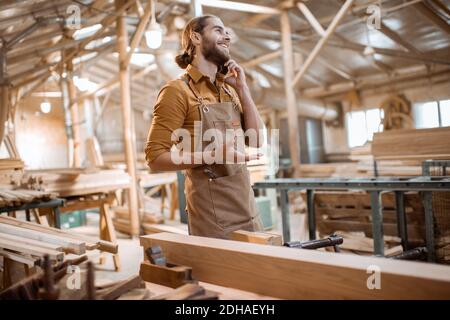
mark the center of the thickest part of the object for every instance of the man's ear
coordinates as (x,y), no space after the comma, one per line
(195,38)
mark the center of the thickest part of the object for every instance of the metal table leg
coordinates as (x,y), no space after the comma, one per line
(375,168)
(429,224)
(377,222)
(181,197)
(284,201)
(402,224)
(311,214)
(27,215)
(57,217)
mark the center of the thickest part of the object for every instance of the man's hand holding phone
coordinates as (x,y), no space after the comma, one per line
(236,75)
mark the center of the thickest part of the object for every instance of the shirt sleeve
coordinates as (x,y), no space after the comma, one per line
(169,114)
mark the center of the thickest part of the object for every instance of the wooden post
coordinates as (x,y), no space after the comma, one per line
(196,7)
(128,128)
(74,115)
(288,62)
(4,91)
(67,116)
(4,109)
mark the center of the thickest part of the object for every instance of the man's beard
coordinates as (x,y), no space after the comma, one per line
(212,53)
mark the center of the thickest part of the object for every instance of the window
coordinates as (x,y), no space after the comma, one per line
(361,125)
(432,114)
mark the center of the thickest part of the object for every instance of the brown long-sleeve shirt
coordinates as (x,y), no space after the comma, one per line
(176,107)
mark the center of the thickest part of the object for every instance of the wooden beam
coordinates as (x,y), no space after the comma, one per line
(311,19)
(397,39)
(72,245)
(91,243)
(26,241)
(433,17)
(300,274)
(29,261)
(4,100)
(441,6)
(391,52)
(72,90)
(128,123)
(288,72)
(330,66)
(113,83)
(29,249)
(339,16)
(264,58)
(235,6)
(196,8)
(257,237)
(140,30)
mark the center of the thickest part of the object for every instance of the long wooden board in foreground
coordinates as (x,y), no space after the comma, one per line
(301,274)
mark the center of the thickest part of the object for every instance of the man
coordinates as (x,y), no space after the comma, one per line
(212,95)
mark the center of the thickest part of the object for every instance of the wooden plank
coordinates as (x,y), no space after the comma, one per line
(70,245)
(186,292)
(91,243)
(257,237)
(29,261)
(300,274)
(121,288)
(26,241)
(157,228)
(33,250)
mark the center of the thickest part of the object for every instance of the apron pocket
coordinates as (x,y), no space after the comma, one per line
(231,197)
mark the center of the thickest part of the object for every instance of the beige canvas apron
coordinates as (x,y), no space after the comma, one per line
(219,197)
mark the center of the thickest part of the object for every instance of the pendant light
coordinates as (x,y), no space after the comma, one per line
(153,35)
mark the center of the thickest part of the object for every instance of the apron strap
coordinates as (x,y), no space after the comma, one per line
(188,80)
(233,100)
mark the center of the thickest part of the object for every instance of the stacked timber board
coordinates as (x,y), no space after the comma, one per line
(18,197)
(11,164)
(349,214)
(26,241)
(76,182)
(350,211)
(416,144)
(290,273)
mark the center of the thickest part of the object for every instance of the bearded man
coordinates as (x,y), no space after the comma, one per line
(211,95)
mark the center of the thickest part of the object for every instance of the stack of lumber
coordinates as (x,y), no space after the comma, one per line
(27,242)
(77,182)
(289,273)
(350,211)
(416,144)
(443,248)
(365,164)
(397,168)
(122,223)
(362,153)
(18,197)
(325,170)
(11,164)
